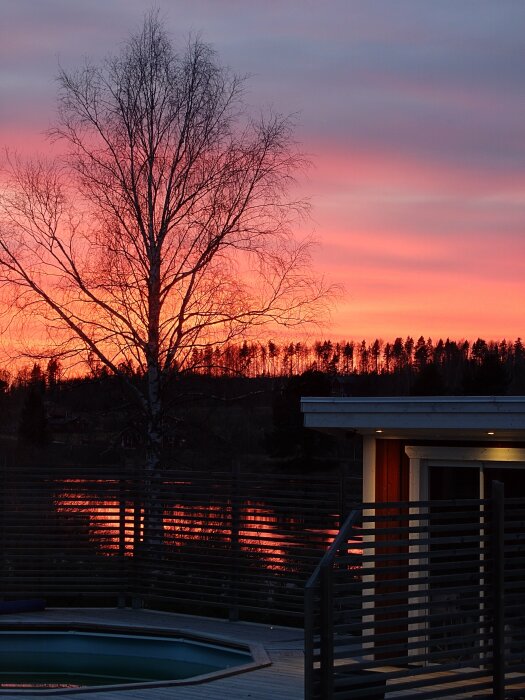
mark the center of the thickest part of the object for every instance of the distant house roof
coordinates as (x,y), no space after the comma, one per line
(446,417)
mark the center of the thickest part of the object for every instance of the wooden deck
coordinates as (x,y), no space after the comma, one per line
(282,680)
(284,645)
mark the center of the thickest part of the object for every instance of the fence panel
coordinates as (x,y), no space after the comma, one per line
(64,534)
(430,605)
(235,543)
(246,543)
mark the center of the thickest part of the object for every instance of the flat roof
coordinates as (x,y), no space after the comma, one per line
(447,417)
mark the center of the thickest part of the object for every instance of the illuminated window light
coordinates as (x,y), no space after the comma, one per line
(379,431)
(490,432)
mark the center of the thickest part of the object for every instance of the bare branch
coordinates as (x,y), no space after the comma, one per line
(167,226)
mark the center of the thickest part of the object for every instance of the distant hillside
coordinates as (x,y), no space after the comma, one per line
(241,403)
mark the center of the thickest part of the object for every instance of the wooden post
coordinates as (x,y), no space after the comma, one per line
(122,543)
(122,518)
(235,546)
(3,521)
(137,600)
(498,556)
(309,612)
(327,632)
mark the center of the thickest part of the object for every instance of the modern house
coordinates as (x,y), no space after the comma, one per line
(413,447)
(427,576)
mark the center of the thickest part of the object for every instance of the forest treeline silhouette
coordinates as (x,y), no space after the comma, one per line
(245,396)
(401,366)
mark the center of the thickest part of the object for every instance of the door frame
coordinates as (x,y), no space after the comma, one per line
(421,459)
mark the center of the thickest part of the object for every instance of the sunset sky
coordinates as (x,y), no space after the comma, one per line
(412,111)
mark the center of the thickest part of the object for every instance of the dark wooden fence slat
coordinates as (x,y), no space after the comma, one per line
(437,615)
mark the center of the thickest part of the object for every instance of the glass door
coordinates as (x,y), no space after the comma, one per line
(455,561)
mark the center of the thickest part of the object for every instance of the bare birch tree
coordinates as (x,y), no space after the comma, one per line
(166,227)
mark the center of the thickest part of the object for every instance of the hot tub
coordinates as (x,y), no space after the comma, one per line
(66,659)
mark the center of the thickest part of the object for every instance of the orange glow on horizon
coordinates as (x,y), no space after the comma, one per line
(417,185)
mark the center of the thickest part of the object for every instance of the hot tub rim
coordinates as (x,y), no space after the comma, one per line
(260,658)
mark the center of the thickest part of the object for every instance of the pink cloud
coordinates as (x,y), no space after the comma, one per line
(414,124)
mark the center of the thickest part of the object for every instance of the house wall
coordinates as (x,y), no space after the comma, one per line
(392,471)
(389,474)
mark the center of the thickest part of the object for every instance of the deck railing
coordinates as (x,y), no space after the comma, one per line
(235,543)
(430,604)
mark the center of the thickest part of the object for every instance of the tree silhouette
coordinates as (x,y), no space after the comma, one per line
(486,375)
(167,227)
(290,437)
(423,352)
(33,427)
(429,381)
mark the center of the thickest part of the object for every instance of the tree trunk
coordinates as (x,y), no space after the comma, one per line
(153,511)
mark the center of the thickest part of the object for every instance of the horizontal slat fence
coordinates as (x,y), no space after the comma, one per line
(59,535)
(234,543)
(429,605)
(243,543)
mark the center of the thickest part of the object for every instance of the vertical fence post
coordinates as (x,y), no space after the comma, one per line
(235,546)
(122,541)
(309,612)
(137,600)
(498,556)
(327,632)
(3,521)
